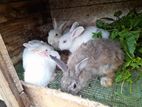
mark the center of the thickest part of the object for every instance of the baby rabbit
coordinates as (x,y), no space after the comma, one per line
(100,57)
(37,64)
(75,37)
(55,34)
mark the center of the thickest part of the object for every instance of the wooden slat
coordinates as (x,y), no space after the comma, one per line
(11,87)
(62,4)
(89,14)
(45,97)
(15,33)
(21,9)
(6,93)
(19,20)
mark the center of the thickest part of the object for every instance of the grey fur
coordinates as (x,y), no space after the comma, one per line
(100,57)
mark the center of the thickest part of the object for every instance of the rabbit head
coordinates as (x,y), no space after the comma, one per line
(55,34)
(73,80)
(67,40)
(38,47)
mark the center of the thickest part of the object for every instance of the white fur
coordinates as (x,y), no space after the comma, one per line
(55,34)
(78,36)
(38,68)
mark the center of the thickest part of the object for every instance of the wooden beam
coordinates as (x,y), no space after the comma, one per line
(16,32)
(11,89)
(88,15)
(6,93)
(45,97)
(21,9)
(64,4)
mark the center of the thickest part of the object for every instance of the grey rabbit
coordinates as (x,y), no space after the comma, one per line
(100,57)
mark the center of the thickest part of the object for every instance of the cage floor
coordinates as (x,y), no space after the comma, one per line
(111,96)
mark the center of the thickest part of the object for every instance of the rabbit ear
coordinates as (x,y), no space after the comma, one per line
(61,26)
(26,45)
(54,23)
(77,32)
(74,25)
(80,66)
(60,63)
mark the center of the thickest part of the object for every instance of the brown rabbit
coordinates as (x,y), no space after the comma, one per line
(96,57)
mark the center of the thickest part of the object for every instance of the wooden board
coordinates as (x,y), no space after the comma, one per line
(19,9)
(20,21)
(45,97)
(11,90)
(87,12)
(6,93)
(15,33)
(60,4)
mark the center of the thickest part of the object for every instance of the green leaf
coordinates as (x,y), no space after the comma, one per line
(128,40)
(131,45)
(119,78)
(114,34)
(103,25)
(140,50)
(97,34)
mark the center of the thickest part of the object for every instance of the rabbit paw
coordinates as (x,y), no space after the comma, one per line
(106,81)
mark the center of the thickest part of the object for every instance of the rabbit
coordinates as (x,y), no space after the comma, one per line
(55,34)
(99,57)
(75,37)
(33,43)
(38,66)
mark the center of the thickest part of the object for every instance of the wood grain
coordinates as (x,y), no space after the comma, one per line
(62,4)
(20,21)
(20,9)
(11,87)
(45,97)
(17,32)
(88,14)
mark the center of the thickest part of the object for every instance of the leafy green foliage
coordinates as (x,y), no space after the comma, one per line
(97,34)
(128,31)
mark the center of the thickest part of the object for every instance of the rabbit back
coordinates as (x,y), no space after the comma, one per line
(100,52)
(38,71)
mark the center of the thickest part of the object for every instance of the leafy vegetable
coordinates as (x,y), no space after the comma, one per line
(128,31)
(97,34)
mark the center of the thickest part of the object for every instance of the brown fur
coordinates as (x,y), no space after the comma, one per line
(104,57)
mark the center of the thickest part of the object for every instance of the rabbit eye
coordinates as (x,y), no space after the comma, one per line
(74,86)
(56,34)
(64,41)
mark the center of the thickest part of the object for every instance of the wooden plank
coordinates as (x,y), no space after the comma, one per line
(6,93)
(11,87)
(88,14)
(19,22)
(45,97)
(62,4)
(17,32)
(21,9)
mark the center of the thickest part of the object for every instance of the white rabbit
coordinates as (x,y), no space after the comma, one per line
(75,37)
(37,64)
(55,34)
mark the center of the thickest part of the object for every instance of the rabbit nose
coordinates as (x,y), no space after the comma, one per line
(43,53)
(74,86)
